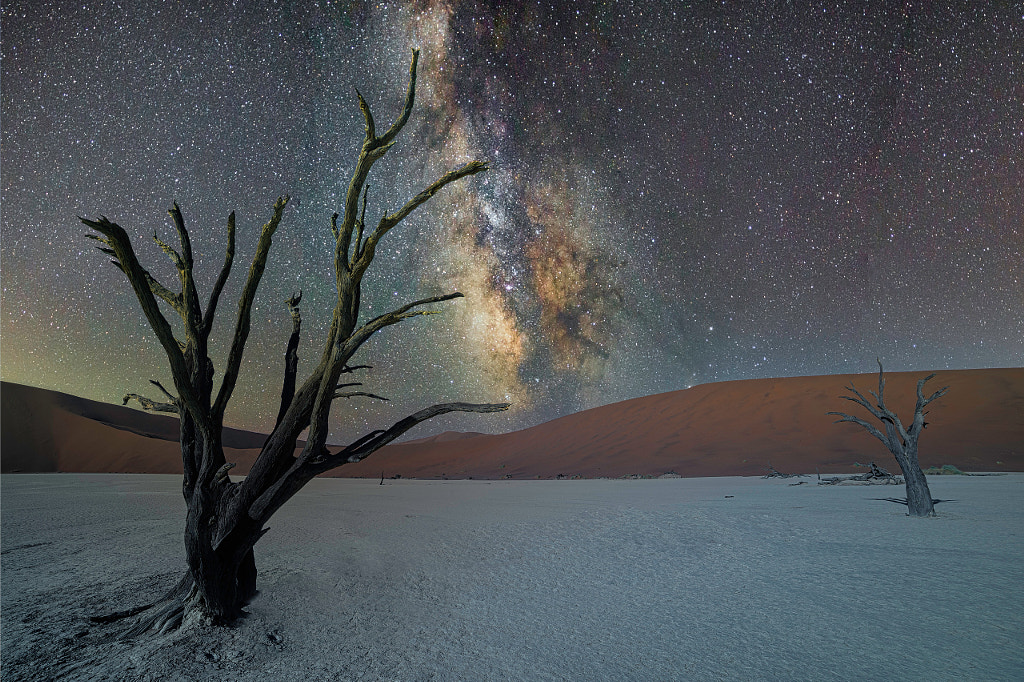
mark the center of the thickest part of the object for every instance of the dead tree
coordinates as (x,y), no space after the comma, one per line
(226,518)
(902,442)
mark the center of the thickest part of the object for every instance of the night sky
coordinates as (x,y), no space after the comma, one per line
(679,193)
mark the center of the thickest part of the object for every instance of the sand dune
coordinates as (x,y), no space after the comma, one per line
(735,428)
(46,431)
(730,428)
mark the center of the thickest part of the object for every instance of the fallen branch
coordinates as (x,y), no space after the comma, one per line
(773,473)
(876,473)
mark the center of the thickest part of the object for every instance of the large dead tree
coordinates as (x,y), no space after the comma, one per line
(226,518)
(902,442)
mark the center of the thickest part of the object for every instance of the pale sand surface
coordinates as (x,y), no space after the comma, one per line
(534,580)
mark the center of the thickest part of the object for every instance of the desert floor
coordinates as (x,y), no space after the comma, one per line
(678,579)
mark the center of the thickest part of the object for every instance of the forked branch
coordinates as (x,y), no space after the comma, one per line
(119,245)
(373,149)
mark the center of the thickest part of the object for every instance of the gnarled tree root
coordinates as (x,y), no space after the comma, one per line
(166,616)
(162,616)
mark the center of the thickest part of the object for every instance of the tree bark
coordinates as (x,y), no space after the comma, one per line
(919,495)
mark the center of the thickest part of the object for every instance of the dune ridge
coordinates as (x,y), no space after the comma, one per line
(733,428)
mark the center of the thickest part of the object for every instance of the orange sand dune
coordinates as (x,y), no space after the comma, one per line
(732,428)
(44,431)
(735,428)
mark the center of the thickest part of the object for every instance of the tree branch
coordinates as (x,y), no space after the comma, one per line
(870,428)
(193,316)
(390,221)
(183,238)
(410,97)
(291,358)
(919,412)
(889,416)
(179,262)
(361,335)
(149,405)
(308,466)
(117,240)
(354,394)
(862,401)
(158,289)
(364,447)
(358,250)
(243,322)
(371,128)
(372,150)
(222,278)
(922,402)
(163,390)
(172,299)
(349,369)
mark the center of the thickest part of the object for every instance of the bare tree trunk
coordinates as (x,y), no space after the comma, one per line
(919,496)
(902,442)
(246,576)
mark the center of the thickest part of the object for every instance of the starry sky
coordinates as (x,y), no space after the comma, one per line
(679,193)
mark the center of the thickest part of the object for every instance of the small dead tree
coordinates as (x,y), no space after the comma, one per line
(226,518)
(902,442)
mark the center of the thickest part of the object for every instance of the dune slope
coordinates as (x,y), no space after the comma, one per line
(737,428)
(722,429)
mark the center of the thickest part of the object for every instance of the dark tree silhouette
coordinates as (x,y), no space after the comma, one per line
(226,518)
(902,442)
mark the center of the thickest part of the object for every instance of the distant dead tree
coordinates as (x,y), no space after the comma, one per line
(226,518)
(902,442)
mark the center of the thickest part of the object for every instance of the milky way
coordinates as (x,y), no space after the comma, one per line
(679,192)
